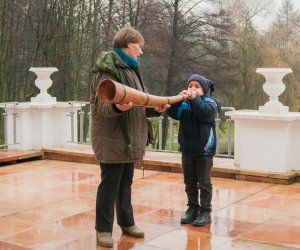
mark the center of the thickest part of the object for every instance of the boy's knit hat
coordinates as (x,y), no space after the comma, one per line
(205,83)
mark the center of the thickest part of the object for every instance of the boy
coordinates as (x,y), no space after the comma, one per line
(197,140)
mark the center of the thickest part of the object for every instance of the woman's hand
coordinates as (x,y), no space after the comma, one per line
(124,106)
(161,109)
(129,105)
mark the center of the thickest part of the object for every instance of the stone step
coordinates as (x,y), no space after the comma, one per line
(13,156)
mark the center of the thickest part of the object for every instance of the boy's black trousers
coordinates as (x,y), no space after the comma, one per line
(197,177)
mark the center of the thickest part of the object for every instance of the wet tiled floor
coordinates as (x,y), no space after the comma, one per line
(48,204)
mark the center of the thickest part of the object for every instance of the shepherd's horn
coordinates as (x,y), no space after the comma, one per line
(113,92)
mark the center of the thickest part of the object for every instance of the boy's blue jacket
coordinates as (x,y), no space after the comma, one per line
(197,133)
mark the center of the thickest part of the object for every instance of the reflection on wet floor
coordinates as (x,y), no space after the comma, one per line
(48,204)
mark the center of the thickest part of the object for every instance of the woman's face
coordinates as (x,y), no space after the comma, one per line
(134,50)
(196,87)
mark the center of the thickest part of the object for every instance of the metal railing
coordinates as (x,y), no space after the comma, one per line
(82,113)
(224,129)
(228,138)
(4,117)
(224,134)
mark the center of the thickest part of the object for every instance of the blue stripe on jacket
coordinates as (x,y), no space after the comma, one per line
(184,105)
(211,144)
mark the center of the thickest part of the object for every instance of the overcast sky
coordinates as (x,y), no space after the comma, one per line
(262,23)
(278,3)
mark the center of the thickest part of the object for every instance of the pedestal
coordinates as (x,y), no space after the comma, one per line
(266,143)
(40,125)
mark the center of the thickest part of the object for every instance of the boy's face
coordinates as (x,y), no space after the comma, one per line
(196,87)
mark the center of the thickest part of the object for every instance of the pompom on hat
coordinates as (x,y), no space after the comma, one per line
(205,83)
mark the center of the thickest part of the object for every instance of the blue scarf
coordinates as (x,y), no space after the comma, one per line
(129,60)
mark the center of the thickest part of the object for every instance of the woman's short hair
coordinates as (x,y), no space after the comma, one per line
(127,35)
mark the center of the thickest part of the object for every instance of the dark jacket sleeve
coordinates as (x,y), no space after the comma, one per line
(204,110)
(150,112)
(173,110)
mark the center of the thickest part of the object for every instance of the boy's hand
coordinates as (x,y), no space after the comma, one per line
(184,92)
(161,109)
(190,93)
(193,94)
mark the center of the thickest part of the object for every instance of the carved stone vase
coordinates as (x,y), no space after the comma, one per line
(274,87)
(43,82)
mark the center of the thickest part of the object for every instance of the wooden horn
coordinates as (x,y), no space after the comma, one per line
(113,92)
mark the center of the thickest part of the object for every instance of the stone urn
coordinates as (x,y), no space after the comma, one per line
(274,87)
(43,82)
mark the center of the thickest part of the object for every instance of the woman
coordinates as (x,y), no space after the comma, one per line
(118,135)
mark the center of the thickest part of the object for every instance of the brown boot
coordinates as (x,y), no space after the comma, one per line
(133,231)
(104,239)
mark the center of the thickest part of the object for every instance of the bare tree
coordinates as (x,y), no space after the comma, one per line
(191,30)
(246,50)
(284,50)
(287,23)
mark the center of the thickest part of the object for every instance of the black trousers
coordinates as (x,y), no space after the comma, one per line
(197,176)
(114,189)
